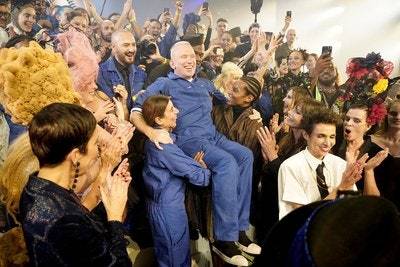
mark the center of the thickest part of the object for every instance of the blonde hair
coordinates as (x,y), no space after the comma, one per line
(20,162)
(228,70)
(32,78)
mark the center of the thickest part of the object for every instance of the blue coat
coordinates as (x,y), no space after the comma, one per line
(109,77)
(165,175)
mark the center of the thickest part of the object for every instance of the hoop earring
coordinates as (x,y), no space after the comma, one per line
(75,176)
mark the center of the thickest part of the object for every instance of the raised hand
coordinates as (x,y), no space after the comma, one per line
(376,160)
(101,112)
(199,158)
(268,144)
(114,193)
(353,172)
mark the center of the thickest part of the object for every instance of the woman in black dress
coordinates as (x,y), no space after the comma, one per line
(58,229)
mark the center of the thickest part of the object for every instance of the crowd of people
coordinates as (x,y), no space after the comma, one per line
(122,142)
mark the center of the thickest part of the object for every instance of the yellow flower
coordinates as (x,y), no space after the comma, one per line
(380,86)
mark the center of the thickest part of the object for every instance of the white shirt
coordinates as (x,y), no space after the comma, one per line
(297,179)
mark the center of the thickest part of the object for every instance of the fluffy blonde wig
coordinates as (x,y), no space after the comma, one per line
(32,78)
(20,162)
(229,73)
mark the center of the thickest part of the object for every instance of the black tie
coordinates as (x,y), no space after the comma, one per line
(322,187)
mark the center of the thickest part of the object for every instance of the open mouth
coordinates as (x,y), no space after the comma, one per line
(347,131)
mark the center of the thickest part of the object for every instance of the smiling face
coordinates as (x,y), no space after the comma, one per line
(254,33)
(296,61)
(283,67)
(124,48)
(321,140)
(26,19)
(183,60)
(80,23)
(239,95)
(287,101)
(168,120)
(355,124)
(295,117)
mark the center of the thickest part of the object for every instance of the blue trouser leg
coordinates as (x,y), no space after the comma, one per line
(170,230)
(244,159)
(228,196)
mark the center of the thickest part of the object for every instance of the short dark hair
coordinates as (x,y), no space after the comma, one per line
(222,20)
(279,60)
(113,14)
(17,39)
(155,20)
(323,116)
(75,13)
(254,25)
(59,128)
(154,107)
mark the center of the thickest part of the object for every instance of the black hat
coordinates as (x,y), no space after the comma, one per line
(194,40)
(253,86)
(359,231)
(235,32)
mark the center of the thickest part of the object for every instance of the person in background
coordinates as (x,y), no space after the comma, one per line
(221,28)
(230,73)
(23,17)
(5,18)
(212,65)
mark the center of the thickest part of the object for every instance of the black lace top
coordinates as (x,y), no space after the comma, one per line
(59,231)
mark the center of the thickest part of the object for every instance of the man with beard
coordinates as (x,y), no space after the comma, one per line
(5,16)
(103,46)
(327,86)
(119,69)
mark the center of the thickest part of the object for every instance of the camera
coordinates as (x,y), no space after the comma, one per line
(146,49)
(205,5)
(288,13)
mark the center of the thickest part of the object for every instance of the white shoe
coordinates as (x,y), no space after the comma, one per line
(253,248)
(237,260)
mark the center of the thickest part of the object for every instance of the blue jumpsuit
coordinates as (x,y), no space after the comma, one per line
(231,164)
(165,174)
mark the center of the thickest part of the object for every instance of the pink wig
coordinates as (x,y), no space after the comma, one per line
(81,59)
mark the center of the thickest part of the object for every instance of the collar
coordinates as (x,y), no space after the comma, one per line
(121,67)
(312,161)
(173,76)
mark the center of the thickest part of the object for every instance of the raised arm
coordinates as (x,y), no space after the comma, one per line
(124,15)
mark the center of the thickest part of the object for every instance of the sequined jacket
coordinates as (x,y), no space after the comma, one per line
(59,231)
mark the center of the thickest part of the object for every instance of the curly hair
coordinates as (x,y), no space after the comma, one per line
(32,78)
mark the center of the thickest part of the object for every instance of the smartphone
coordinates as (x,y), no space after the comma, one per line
(269,34)
(326,51)
(205,5)
(166,10)
(288,13)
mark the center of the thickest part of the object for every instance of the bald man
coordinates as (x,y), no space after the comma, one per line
(119,69)
(230,163)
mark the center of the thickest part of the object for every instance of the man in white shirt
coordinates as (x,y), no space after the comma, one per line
(314,174)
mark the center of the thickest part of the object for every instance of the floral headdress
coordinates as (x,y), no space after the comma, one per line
(367,84)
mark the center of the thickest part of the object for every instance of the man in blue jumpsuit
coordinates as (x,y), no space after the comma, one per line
(119,68)
(229,162)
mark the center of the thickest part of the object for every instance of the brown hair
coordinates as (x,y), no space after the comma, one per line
(154,107)
(308,107)
(299,95)
(385,125)
(59,128)
(323,116)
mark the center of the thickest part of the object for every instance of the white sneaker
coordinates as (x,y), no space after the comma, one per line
(237,260)
(253,248)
